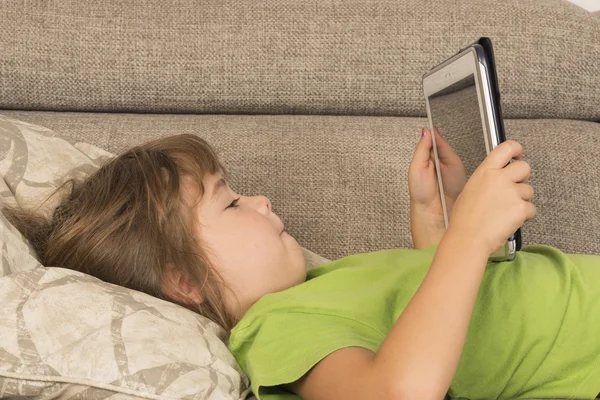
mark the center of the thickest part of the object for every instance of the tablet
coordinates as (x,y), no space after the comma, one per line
(463,103)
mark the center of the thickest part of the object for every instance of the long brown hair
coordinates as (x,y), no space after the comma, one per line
(128,220)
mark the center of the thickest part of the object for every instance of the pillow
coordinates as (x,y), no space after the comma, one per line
(64,332)
(67,334)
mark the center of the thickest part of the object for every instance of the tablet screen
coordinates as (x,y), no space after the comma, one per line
(455,113)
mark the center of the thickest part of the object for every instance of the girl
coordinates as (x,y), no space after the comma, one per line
(390,324)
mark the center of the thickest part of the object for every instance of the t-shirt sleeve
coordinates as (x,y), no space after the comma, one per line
(279,348)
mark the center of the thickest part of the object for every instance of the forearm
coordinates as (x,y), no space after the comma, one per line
(420,354)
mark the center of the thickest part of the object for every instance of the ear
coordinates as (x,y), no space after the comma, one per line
(179,286)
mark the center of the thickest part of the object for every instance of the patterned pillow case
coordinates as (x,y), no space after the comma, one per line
(69,335)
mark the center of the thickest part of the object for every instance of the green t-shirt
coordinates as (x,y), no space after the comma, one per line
(534,331)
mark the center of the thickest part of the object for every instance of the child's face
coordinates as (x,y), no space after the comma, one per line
(246,244)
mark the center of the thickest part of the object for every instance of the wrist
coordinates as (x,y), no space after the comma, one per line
(424,216)
(460,239)
(425,228)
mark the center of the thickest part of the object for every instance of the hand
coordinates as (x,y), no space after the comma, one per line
(422,180)
(496,199)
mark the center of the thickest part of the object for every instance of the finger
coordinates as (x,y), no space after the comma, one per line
(444,149)
(518,171)
(525,191)
(422,152)
(502,154)
(530,210)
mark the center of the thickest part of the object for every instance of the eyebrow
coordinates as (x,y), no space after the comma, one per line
(220,184)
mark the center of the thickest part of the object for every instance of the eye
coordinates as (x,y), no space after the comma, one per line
(234,203)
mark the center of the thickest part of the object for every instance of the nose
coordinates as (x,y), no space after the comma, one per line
(263,204)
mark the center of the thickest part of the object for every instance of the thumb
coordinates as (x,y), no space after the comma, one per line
(444,149)
(423,150)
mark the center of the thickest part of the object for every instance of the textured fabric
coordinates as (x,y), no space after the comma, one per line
(284,56)
(533,331)
(339,183)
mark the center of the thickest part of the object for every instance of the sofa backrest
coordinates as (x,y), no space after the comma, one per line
(277,57)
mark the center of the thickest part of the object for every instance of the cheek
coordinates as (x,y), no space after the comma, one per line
(249,251)
(245,251)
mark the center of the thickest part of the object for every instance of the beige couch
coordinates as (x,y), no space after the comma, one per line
(318,105)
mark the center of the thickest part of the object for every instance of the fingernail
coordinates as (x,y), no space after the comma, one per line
(423,131)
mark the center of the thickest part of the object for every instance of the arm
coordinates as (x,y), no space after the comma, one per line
(420,354)
(422,351)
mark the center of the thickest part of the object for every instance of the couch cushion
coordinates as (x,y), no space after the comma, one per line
(340,182)
(287,56)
